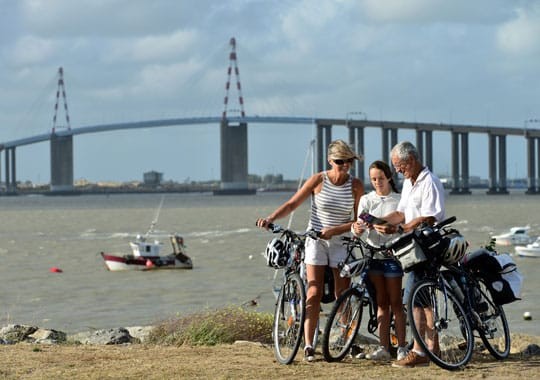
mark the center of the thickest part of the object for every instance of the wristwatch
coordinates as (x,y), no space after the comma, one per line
(400,229)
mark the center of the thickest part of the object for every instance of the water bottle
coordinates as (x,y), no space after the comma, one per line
(457,290)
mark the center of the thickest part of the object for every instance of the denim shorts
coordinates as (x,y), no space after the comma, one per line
(386,268)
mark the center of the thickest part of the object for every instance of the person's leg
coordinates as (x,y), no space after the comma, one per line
(383,308)
(315,283)
(394,278)
(340,283)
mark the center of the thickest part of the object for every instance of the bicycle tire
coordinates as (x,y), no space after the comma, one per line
(289,316)
(342,325)
(493,326)
(449,320)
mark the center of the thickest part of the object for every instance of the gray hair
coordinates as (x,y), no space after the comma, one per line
(403,150)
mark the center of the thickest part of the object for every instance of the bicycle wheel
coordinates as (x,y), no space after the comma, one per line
(342,325)
(492,327)
(440,312)
(289,318)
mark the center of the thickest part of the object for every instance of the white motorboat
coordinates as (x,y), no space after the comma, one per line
(516,236)
(146,255)
(530,250)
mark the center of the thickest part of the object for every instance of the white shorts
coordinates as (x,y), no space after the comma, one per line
(325,252)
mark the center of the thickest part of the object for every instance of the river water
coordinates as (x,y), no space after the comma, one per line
(38,233)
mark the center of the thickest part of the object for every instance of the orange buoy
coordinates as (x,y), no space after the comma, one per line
(55,270)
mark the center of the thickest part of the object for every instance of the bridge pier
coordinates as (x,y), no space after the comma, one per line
(322,140)
(11,175)
(424,145)
(460,163)
(61,164)
(234,162)
(533,164)
(356,140)
(497,186)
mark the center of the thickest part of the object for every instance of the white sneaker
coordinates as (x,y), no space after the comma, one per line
(402,353)
(379,354)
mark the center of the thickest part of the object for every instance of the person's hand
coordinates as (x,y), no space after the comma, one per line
(263,222)
(358,227)
(386,228)
(326,234)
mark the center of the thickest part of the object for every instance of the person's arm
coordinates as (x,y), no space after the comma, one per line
(292,204)
(395,220)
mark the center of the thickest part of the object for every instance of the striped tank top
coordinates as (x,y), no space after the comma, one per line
(333,205)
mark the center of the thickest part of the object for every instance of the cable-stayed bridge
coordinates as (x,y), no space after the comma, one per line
(234,142)
(234,161)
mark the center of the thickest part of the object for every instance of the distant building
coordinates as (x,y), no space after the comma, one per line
(152,178)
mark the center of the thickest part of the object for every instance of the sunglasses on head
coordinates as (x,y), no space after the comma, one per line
(341,162)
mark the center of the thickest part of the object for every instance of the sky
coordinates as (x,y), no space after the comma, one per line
(461,61)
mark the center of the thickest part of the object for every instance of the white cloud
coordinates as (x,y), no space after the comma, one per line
(521,36)
(152,48)
(31,50)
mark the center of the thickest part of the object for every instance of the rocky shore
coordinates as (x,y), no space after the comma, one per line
(13,333)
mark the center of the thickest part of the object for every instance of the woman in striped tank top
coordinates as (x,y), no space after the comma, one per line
(335,195)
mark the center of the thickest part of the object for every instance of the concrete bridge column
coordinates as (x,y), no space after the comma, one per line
(323,139)
(460,163)
(424,145)
(234,161)
(11,175)
(356,140)
(389,140)
(497,159)
(61,164)
(533,164)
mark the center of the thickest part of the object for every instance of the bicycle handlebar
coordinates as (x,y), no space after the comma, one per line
(276,228)
(436,227)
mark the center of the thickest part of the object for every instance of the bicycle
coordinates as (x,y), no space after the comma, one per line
(290,310)
(451,311)
(344,320)
(486,316)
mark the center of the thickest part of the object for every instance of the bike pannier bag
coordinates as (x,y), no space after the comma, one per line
(410,255)
(500,273)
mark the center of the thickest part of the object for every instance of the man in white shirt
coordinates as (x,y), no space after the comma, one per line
(422,201)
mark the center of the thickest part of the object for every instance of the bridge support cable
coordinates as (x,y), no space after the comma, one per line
(61,89)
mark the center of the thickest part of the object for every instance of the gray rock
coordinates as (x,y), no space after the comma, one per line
(47,336)
(16,333)
(118,335)
(531,349)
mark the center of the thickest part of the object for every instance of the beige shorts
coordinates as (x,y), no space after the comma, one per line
(325,252)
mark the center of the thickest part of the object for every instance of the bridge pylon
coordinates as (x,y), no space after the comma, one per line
(234,139)
(61,147)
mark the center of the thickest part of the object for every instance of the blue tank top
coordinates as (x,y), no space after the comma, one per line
(333,205)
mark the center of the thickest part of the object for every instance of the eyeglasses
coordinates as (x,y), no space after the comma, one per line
(341,162)
(401,165)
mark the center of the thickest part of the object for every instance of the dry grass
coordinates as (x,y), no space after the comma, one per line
(236,361)
(213,327)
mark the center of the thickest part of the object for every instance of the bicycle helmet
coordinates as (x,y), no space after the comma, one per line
(457,246)
(277,254)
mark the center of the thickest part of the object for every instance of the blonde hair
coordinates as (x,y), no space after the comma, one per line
(339,149)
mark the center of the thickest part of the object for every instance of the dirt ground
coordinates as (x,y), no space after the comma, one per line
(242,360)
